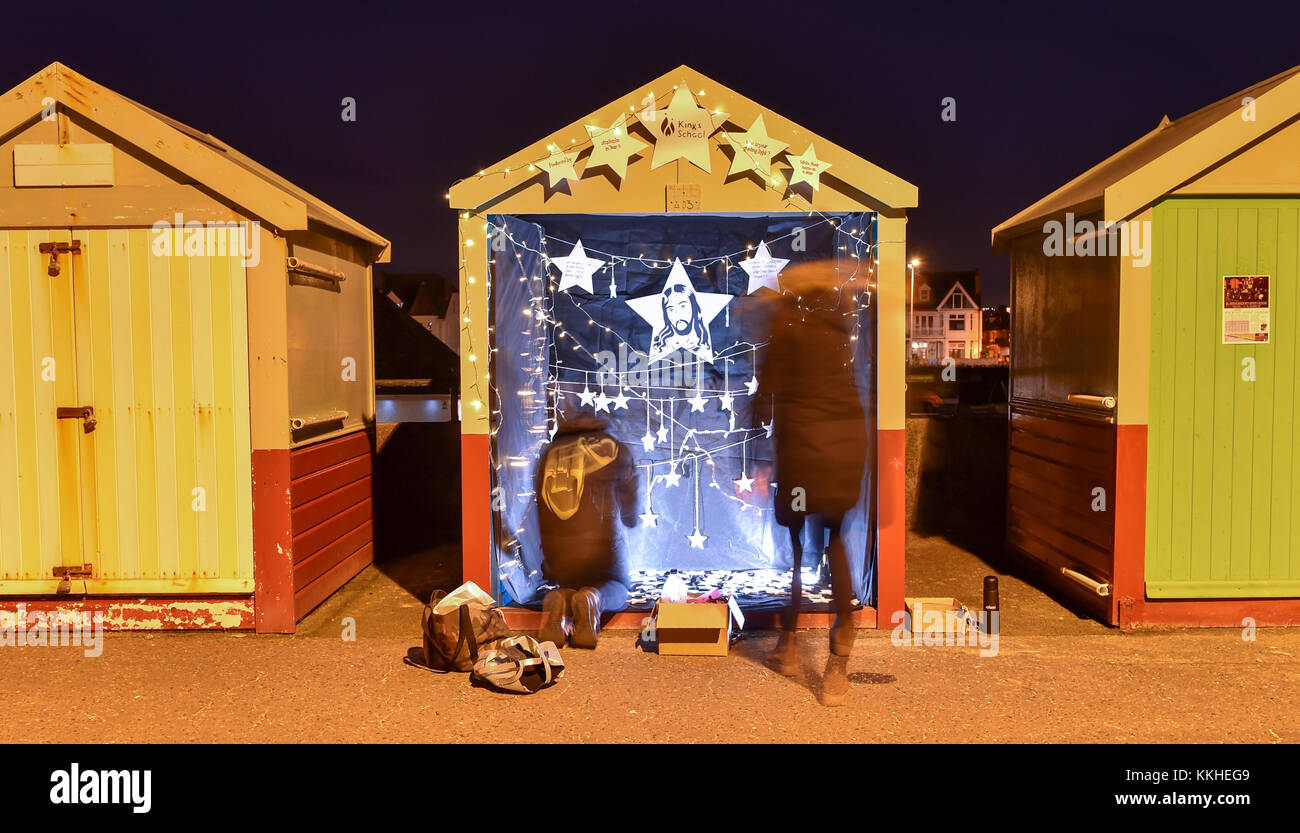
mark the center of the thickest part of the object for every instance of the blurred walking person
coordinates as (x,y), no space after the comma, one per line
(821,443)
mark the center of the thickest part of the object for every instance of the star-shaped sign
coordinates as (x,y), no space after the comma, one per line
(649,518)
(744,483)
(807,168)
(697,540)
(613,146)
(763,269)
(559,166)
(682,130)
(754,149)
(576,269)
(689,314)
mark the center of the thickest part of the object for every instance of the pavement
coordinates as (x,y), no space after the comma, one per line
(1055,677)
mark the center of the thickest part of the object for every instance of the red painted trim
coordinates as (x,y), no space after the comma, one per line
(891,526)
(1214,613)
(272,541)
(476,511)
(1130,506)
(313,458)
(310,596)
(151,614)
(524,619)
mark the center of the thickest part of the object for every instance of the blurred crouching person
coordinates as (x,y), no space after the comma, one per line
(820,434)
(586,484)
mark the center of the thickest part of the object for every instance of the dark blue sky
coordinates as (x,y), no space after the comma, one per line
(1043,90)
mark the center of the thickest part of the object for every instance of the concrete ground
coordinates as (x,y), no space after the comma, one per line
(1056,677)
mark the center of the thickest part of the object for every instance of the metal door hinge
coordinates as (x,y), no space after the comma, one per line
(82,412)
(75,573)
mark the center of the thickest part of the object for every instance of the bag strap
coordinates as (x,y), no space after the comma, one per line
(467,634)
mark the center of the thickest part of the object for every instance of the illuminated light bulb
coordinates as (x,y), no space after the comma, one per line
(469,242)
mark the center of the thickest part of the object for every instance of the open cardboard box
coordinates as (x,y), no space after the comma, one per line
(699,629)
(941,614)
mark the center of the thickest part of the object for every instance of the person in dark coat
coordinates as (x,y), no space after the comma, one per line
(586,483)
(820,435)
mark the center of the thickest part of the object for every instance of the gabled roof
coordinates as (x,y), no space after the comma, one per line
(943,284)
(480,191)
(1160,161)
(200,156)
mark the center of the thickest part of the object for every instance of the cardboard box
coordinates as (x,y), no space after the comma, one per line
(696,630)
(935,614)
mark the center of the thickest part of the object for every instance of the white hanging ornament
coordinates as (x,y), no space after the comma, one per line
(763,269)
(576,269)
(752,385)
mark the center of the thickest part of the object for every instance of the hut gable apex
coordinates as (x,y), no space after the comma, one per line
(199,156)
(518,183)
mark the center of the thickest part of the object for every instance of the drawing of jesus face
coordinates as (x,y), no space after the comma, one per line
(684,327)
(679,312)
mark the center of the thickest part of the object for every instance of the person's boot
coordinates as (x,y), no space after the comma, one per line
(843,632)
(556,621)
(784,659)
(835,682)
(586,617)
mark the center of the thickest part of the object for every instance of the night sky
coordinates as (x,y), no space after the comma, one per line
(1043,90)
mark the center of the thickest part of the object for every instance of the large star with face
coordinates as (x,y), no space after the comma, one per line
(682,130)
(754,149)
(689,314)
(613,146)
(576,269)
(763,269)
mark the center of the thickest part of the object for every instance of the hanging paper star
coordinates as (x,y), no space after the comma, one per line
(613,146)
(744,483)
(648,441)
(763,269)
(682,130)
(752,385)
(697,540)
(689,316)
(754,149)
(767,426)
(725,400)
(577,269)
(649,518)
(559,166)
(620,401)
(602,402)
(807,168)
(663,433)
(697,402)
(587,396)
(672,478)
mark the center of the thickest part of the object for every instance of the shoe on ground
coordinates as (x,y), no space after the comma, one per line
(586,617)
(784,659)
(835,682)
(556,617)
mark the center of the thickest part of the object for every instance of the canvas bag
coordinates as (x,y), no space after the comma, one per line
(520,664)
(457,626)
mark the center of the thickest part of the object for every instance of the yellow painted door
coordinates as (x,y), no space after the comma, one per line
(157,498)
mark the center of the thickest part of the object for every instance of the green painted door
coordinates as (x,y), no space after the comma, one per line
(1222,494)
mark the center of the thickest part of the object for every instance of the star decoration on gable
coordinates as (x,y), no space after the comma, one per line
(613,146)
(754,149)
(576,269)
(682,130)
(807,168)
(559,166)
(763,269)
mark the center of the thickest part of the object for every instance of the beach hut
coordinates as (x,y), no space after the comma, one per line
(567,249)
(186,383)
(1154,368)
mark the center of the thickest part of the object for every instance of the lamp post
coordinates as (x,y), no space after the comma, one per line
(911,309)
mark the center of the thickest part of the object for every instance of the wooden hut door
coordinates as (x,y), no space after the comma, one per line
(149,351)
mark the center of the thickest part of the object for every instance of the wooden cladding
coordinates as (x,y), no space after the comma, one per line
(1060,491)
(333,516)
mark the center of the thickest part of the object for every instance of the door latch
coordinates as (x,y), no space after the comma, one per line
(86,413)
(67,575)
(56,249)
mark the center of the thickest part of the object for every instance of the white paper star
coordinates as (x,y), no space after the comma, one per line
(612,146)
(665,340)
(577,269)
(752,385)
(602,402)
(586,397)
(663,433)
(697,402)
(763,269)
(672,478)
(559,166)
(620,401)
(681,130)
(767,426)
(648,442)
(697,540)
(807,168)
(649,518)
(754,149)
(744,483)
(725,400)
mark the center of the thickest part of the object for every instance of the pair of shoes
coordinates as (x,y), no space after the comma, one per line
(557,624)
(835,682)
(585,606)
(784,660)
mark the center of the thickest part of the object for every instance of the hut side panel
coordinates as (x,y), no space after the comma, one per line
(1221,494)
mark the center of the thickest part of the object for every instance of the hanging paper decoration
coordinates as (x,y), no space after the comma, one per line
(613,146)
(752,385)
(697,540)
(559,166)
(682,130)
(763,269)
(577,269)
(754,149)
(807,168)
(679,317)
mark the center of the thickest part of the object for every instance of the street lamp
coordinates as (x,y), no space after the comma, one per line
(911,307)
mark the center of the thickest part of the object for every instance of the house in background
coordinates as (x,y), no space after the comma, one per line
(946,319)
(997,334)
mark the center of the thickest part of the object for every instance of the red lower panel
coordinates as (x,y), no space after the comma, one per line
(891,525)
(272,541)
(476,511)
(165,614)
